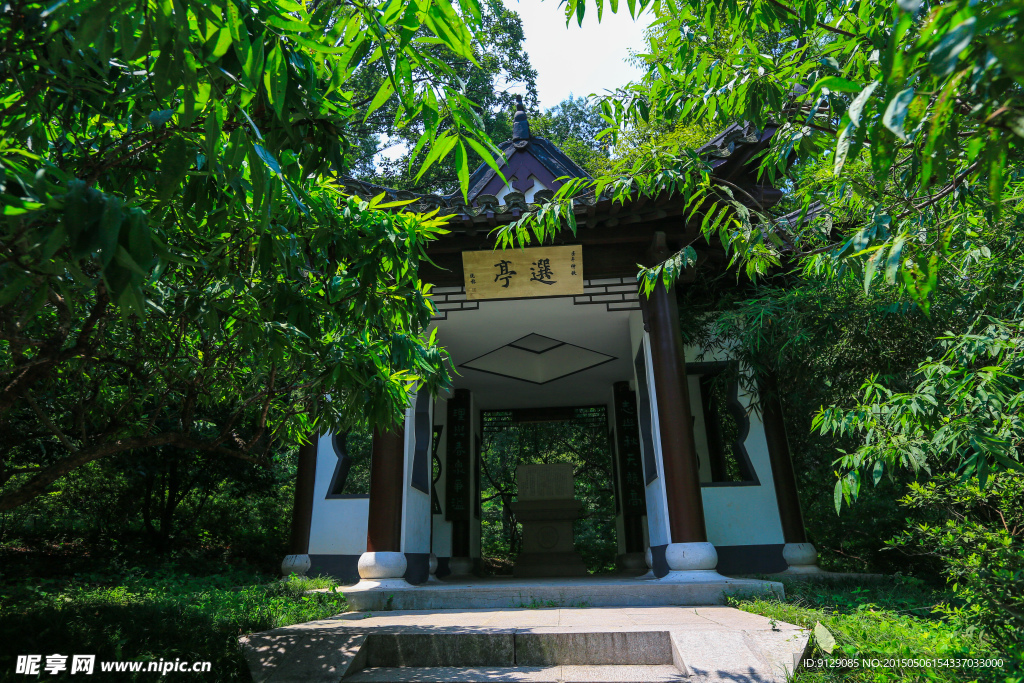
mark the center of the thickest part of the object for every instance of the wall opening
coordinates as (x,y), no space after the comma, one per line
(579,436)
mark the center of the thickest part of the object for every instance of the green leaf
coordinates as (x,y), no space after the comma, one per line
(870,266)
(173,168)
(1011,56)
(945,55)
(486,155)
(857,106)
(462,168)
(160,118)
(320,47)
(897,111)
(384,93)
(835,84)
(288,24)
(824,638)
(222,45)
(842,148)
(1016,124)
(275,78)
(110,226)
(892,264)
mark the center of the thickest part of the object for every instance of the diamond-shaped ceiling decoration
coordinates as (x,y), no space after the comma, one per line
(538,359)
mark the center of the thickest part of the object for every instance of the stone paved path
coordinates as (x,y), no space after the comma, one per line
(569,645)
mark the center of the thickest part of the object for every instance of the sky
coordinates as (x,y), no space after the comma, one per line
(574,60)
(571,60)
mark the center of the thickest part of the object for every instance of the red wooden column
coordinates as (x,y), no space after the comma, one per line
(783,474)
(801,556)
(384,530)
(297,561)
(679,453)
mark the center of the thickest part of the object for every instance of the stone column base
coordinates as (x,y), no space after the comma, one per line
(432,569)
(295,564)
(649,561)
(802,558)
(382,570)
(460,566)
(691,562)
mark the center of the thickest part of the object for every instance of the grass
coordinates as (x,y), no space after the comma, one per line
(163,613)
(890,619)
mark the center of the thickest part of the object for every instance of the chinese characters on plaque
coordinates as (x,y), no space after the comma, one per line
(517,273)
(627,433)
(457,479)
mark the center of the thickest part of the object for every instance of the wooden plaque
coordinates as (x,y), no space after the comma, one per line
(518,273)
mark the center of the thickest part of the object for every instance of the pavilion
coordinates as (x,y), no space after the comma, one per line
(545,333)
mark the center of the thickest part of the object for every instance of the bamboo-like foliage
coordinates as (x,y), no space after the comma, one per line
(178,266)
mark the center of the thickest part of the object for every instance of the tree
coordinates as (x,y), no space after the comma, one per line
(575,125)
(500,65)
(177,266)
(898,139)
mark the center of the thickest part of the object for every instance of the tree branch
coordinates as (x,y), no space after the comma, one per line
(819,24)
(45,419)
(45,476)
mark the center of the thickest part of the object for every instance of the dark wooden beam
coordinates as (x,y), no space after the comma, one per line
(302,510)
(783,475)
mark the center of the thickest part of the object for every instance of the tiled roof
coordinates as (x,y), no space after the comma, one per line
(728,153)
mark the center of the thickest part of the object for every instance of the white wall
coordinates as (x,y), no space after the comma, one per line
(415,503)
(700,434)
(338,526)
(745,515)
(734,515)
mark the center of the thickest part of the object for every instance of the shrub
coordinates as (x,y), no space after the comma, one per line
(977,535)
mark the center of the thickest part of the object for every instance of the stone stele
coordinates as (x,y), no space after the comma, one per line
(546,508)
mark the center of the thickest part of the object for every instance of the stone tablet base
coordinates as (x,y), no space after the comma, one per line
(533,565)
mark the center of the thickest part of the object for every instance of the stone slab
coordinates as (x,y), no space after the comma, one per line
(553,674)
(301,655)
(548,647)
(731,656)
(502,593)
(425,649)
(544,482)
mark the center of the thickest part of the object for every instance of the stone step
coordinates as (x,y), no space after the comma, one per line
(520,674)
(597,645)
(505,593)
(505,648)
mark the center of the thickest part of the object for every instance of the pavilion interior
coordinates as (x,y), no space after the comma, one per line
(538,353)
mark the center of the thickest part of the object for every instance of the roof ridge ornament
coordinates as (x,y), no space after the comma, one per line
(520,125)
